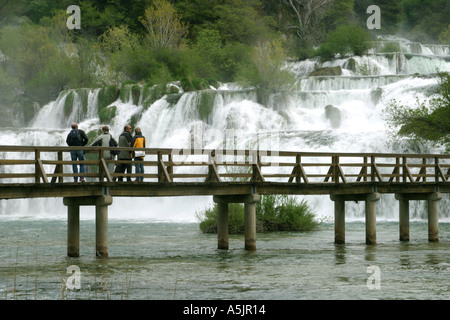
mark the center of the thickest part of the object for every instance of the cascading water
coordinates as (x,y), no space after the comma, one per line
(359,95)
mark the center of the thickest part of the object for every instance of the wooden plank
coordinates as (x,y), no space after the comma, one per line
(441,173)
(41,170)
(408,172)
(163,175)
(377,172)
(105,170)
(257,174)
(340,173)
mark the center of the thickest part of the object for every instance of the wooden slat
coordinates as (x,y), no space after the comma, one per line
(41,170)
(105,170)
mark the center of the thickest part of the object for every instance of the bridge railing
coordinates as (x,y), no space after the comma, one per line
(37,164)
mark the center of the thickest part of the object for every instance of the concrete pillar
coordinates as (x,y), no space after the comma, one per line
(371,218)
(73,230)
(101,230)
(222,226)
(339,221)
(433,200)
(404,219)
(249,201)
(250,225)
(101,204)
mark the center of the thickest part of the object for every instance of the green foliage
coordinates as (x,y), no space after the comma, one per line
(106,96)
(266,70)
(206,104)
(345,40)
(130,91)
(429,121)
(68,103)
(107,114)
(273,213)
(426,19)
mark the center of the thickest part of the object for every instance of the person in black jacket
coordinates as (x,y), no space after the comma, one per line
(125,141)
(78,138)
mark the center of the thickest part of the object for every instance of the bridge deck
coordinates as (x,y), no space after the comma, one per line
(31,172)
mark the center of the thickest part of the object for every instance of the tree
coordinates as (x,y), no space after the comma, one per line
(267,70)
(309,14)
(163,25)
(429,121)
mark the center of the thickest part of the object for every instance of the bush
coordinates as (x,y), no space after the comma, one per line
(266,70)
(273,213)
(345,40)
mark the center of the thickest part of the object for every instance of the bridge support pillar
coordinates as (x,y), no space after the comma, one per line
(73,231)
(371,217)
(433,200)
(249,201)
(222,226)
(101,223)
(370,214)
(404,219)
(339,221)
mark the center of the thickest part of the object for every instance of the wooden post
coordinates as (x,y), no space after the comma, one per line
(222,226)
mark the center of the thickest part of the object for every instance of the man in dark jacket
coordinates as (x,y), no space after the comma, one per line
(78,138)
(125,141)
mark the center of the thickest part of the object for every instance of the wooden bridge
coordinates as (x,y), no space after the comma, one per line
(229,176)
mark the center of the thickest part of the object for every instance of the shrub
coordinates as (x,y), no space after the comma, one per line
(345,40)
(273,213)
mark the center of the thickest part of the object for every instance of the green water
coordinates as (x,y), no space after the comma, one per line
(176,261)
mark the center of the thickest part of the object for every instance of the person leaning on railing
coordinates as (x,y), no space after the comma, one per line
(103,140)
(138,142)
(78,138)
(125,141)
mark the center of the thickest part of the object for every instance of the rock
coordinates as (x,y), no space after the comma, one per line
(334,115)
(327,71)
(350,64)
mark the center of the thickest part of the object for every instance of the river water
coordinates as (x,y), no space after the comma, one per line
(176,261)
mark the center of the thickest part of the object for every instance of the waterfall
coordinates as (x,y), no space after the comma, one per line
(299,119)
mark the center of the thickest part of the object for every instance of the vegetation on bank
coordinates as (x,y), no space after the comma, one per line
(224,40)
(273,213)
(428,121)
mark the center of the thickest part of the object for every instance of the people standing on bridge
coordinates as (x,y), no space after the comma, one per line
(78,138)
(125,141)
(103,140)
(138,142)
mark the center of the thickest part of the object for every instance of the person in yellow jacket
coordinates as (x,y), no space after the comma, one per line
(138,142)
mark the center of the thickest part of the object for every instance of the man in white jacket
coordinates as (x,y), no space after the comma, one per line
(103,140)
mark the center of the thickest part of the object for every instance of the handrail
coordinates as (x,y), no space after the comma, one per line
(51,164)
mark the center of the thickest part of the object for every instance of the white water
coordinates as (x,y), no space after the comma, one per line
(298,120)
